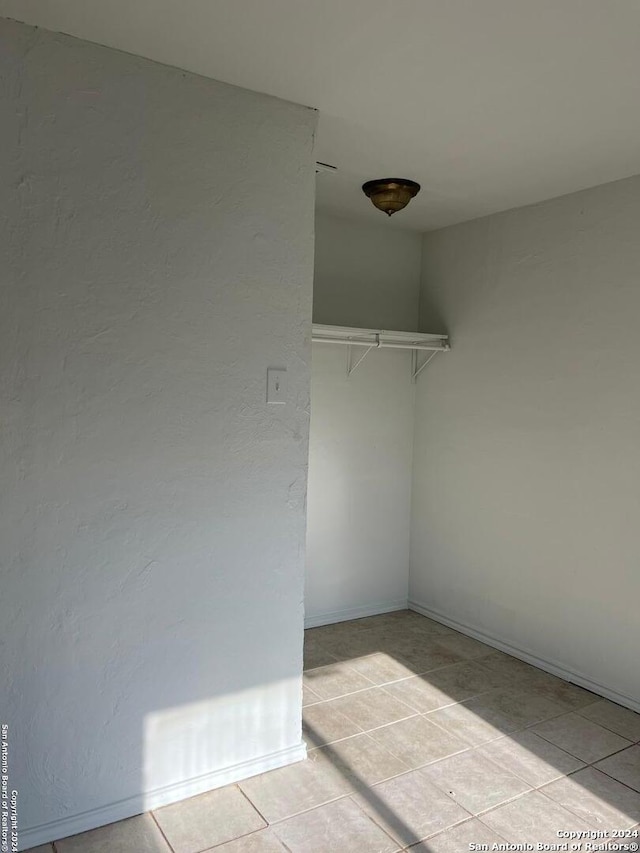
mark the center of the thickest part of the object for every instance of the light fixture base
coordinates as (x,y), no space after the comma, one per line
(391,194)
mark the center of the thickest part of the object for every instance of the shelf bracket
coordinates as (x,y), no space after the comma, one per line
(368,339)
(417,370)
(350,366)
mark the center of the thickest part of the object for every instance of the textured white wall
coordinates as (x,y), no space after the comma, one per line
(362,426)
(358,510)
(527,466)
(159,230)
(365,275)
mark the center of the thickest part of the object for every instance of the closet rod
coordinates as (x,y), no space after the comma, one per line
(436,346)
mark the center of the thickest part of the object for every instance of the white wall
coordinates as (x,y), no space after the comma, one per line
(366,275)
(359,485)
(527,467)
(160,230)
(361,426)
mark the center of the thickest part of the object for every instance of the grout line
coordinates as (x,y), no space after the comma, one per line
(375,823)
(228,840)
(506,802)
(593,764)
(473,817)
(557,669)
(524,689)
(155,820)
(475,662)
(312,808)
(251,803)
(342,695)
(588,763)
(233,840)
(602,725)
(410,716)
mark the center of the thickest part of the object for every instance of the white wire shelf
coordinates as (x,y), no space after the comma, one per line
(381,339)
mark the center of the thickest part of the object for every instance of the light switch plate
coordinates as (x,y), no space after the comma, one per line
(276,385)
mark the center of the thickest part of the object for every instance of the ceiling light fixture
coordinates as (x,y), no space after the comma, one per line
(390,194)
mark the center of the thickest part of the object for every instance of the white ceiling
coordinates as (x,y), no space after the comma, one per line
(489,104)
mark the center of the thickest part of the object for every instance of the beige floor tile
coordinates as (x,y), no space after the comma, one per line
(424,655)
(417,741)
(524,707)
(348,648)
(135,835)
(474,781)
(263,841)
(625,767)
(614,717)
(340,826)
(424,625)
(213,818)
(315,636)
(407,622)
(465,647)
(342,636)
(373,708)
(318,634)
(290,790)
(386,626)
(472,724)
(459,839)
(341,640)
(531,758)
(410,807)
(580,737)
(570,696)
(371,673)
(442,687)
(533,819)
(337,630)
(337,679)
(323,723)
(381,668)
(384,646)
(309,697)
(403,631)
(364,759)
(465,680)
(419,694)
(597,798)
(513,672)
(316,656)
(395,617)
(44,848)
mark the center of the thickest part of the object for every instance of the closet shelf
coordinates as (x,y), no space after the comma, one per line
(381,339)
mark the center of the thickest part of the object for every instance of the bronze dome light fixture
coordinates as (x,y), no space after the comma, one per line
(390,194)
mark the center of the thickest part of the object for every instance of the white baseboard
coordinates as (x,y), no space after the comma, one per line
(57,829)
(354,613)
(552,666)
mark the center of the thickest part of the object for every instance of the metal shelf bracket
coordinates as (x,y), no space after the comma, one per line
(416,369)
(351,366)
(369,339)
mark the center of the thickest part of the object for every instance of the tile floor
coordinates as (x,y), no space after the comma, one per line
(419,739)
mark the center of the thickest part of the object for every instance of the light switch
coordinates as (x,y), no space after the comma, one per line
(276,385)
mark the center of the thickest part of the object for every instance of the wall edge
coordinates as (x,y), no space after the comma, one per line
(552,666)
(139,804)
